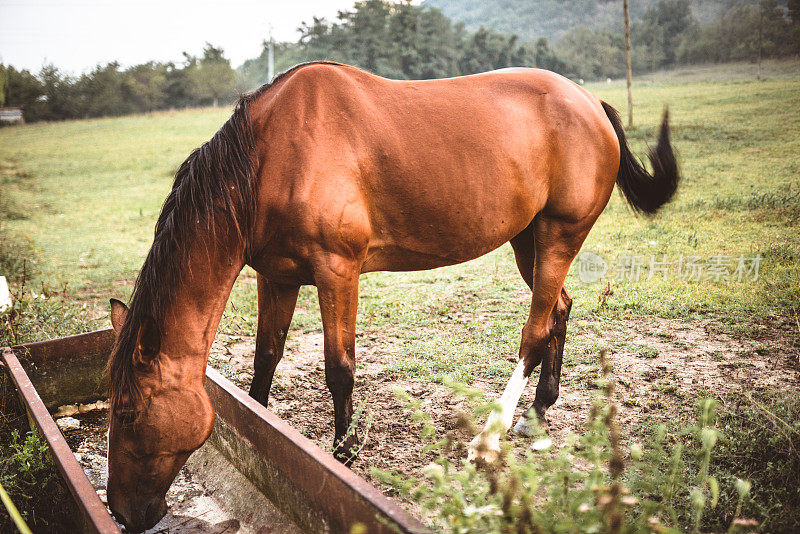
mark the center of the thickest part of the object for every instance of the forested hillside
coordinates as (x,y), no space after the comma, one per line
(401,40)
(398,39)
(531,19)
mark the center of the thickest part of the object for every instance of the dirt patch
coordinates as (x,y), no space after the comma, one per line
(299,396)
(662,368)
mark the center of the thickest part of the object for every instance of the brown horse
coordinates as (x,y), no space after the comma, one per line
(330,172)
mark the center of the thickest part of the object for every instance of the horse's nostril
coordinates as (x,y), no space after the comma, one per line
(153,512)
(120,518)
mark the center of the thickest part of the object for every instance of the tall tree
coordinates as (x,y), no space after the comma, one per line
(179,87)
(213,78)
(101,92)
(546,58)
(794,16)
(145,86)
(488,50)
(592,54)
(662,28)
(3,78)
(59,94)
(438,45)
(403,31)
(24,90)
(368,26)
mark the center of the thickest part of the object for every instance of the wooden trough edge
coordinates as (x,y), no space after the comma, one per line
(95,516)
(80,361)
(311,486)
(318,480)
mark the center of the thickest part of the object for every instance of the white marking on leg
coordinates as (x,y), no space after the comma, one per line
(510,398)
(489,438)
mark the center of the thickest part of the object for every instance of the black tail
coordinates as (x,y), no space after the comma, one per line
(645,192)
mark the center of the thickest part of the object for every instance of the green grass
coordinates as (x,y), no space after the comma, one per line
(761,437)
(27,473)
(86,194)
(719,72)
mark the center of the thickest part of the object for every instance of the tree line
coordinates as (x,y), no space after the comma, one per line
(404,41)
(109,90)
(399,40)
(668,35)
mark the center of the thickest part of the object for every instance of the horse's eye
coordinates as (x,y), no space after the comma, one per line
(125,415)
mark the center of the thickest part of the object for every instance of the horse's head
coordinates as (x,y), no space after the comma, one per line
(152,432)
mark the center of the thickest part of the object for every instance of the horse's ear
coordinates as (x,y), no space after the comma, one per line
(119,312)
(148,340)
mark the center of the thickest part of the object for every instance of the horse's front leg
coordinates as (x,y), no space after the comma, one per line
(276,303)
(337,285)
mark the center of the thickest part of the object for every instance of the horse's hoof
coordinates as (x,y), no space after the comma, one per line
(484,450)
(347,451)
(345,457)
(484,457)
(523,428)
(527,423)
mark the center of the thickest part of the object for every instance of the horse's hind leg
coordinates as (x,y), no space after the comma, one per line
(487,443)
(556,244)
(276,303)
(550,373)
(525,253)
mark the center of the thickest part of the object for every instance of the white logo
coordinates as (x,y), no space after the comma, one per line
(591,267)
(5,294)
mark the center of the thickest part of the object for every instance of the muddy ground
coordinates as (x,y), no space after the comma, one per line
(683,362)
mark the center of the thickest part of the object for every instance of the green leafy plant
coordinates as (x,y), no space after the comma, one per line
(29,458)
(593,483)
(29,477)
(760,435)
(359,419)
(26,471)
(38,314)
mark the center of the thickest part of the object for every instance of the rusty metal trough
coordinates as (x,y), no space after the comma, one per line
(307,484)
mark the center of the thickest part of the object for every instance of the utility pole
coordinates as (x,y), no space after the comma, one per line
(628,61)
(760,24)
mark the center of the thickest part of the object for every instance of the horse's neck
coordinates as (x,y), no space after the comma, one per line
(199,303)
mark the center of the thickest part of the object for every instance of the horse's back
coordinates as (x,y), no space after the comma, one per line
(433,172)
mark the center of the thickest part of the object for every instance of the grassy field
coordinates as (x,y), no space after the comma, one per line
(83,198)
(86,194)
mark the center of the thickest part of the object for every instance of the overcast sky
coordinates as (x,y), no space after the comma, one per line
(76,35)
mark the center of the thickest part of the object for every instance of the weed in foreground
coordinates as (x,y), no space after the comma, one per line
(761,437)
(14,252)
(590,484)
(27,473)
(39,314)
(356,422)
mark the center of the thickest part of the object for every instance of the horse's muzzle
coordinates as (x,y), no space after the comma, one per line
(138,516)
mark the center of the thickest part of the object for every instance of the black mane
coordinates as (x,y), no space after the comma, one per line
(214,192)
